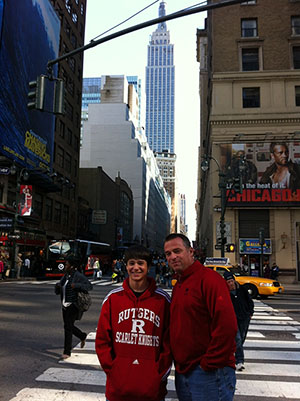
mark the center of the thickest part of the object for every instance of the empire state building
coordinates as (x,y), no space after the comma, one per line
(160,80)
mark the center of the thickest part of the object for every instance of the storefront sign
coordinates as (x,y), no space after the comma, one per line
(6,222)
(99,217)
(252,246)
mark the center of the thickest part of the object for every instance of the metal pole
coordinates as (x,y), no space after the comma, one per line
(178,14)
(222,187)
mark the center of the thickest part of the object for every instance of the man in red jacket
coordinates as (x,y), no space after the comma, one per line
(202,327)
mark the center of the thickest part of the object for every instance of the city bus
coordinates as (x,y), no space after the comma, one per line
(86,252)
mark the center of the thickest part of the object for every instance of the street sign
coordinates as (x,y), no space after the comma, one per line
(99,217)
(5,170)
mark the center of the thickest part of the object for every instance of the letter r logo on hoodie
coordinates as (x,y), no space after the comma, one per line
(137,325)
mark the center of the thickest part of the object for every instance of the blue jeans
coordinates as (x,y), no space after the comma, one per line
(239,353)
(198,385)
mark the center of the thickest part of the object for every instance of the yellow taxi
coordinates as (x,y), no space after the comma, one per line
(261,286)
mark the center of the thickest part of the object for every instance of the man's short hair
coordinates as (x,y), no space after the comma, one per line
(185,239)
(138,252)
(273,144)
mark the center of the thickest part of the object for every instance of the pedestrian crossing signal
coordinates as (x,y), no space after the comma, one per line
(230,248)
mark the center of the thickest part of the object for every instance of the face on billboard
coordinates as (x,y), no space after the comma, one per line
(280,155)
(270,173)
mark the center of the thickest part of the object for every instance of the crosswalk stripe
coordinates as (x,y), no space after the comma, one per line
(80,376)
(257,388)
(272,344)
(272,355)
(255,334)
(270,369)
(45,394)
(81,358)
(266,327)
(270,318)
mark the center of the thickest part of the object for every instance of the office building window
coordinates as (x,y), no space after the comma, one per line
(57,212)
(296,25)
(249,28)
(60,156)
(48,209)
(246,3)
(250,59)
(65,215)
(251,97)
(296,57)
(68,161)
(297,95)
(38,204)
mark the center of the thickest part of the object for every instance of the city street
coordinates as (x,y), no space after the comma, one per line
(32,339)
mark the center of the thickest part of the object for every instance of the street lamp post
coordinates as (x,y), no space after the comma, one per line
(222,187)
(236,185)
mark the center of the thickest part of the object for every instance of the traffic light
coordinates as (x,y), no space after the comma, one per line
(261,236)
(37,93)
(238,185)
(59,97)
(230,248)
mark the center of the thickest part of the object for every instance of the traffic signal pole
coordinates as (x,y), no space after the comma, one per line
(143,25)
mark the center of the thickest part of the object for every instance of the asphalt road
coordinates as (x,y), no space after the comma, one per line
(31,344)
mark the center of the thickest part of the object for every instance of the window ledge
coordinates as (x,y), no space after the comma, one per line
(254,39)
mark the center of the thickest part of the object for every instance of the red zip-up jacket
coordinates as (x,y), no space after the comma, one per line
(132,343)
(203,322)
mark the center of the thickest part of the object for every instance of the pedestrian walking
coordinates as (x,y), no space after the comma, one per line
(19,265)
(132,339)
(202,327)
(68,287)
(2,275)
(244,309)
(274,271)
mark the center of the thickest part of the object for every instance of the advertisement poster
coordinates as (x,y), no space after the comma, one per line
(25,204)
(29,39)
(270,173)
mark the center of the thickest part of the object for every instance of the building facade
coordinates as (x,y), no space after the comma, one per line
(44,157)
(113,141)
(108,214)
(249,87)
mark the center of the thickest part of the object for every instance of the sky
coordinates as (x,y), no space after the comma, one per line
(127,55)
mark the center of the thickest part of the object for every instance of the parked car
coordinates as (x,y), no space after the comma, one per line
(261,286)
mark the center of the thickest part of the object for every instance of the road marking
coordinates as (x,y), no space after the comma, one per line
(276,322)
(45,394)
(270,327)
(271,369)
(268,317)
(255,334)
(272,344)
(274,389)
(89,346)
(80,376)
(81,359)
(272,355)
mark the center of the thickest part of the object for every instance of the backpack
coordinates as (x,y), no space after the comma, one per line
(84,301)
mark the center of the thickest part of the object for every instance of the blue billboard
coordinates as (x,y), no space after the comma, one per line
(29,39)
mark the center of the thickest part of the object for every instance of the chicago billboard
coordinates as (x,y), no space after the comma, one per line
(29,39)
(270,173)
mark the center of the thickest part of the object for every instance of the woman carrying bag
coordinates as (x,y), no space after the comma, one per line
(70,284)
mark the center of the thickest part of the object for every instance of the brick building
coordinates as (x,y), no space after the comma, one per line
(249,57)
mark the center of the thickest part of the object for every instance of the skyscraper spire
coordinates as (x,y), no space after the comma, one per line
(161,13)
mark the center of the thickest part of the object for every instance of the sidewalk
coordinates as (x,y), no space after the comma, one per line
(292,289)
